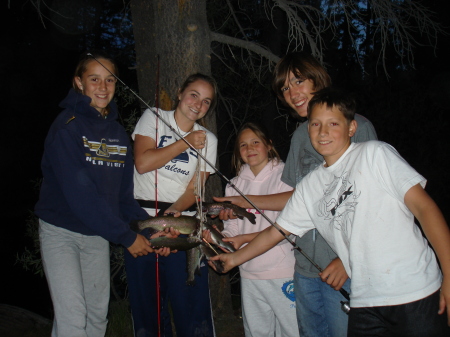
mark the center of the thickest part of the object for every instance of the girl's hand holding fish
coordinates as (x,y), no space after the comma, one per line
(173,212)
(227,261)
(235,200)
(140,246)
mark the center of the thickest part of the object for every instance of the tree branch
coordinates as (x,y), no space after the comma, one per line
(250,46)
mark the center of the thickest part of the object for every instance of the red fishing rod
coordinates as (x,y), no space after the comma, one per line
(345,305)
(158,294)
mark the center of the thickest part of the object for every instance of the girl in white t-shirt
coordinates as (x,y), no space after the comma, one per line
(268,301)
(158,148)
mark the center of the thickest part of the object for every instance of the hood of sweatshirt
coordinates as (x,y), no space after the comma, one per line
(80,105)
(247,174)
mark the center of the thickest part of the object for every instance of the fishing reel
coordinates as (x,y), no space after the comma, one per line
(345,306)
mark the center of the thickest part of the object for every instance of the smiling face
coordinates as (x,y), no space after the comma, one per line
(98,84)
(194,101)
(330,132)
(253,151)
(297,92)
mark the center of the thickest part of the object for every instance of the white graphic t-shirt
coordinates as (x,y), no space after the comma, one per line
(174,176)
(357,205)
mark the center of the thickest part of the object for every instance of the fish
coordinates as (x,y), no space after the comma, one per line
(175,243)
(215,208)
(193,258)
(208,252)
(185,224)
(217,237)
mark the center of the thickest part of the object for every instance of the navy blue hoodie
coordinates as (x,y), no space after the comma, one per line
(88,173)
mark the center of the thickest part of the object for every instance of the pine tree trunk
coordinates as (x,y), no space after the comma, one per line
(177,32)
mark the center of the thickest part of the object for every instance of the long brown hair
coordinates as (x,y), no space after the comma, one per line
(302,65)
(208,79)
(262,133)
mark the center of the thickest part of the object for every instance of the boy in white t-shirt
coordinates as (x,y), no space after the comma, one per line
(363,201)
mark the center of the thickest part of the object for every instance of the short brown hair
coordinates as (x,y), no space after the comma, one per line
(330,96)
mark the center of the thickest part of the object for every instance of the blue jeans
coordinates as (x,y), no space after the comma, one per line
(191,305)
(318,306)
(414,319)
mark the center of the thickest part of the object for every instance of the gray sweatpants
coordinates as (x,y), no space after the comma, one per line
(268,308)
(78,276)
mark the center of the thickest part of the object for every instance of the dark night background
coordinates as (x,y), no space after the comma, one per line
(410,111)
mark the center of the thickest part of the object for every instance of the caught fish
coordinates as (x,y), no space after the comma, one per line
(217,237)
(193,258)
(215,208)
(184,223)
(208,252)
(175,243)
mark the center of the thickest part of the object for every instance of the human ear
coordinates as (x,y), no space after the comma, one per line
(78,82)
(353,127)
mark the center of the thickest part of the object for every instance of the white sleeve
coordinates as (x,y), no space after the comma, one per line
(393,172)
(146,125)
(294,216)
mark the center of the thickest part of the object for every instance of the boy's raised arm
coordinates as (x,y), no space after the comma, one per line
(438,234)
(265,240)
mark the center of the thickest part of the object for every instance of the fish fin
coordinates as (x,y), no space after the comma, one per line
(252,218)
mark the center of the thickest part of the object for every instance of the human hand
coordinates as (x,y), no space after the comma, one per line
(334,274)
(227,261)
(172,211)
(444,299)
(169,232)
(140,246)
(197,139)
(206,235)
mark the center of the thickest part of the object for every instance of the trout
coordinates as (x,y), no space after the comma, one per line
(175,243)
(184,223)
(215,208)
(217,237)
(193,258)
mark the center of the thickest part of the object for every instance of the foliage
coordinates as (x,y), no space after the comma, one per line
(30,259)
(119,319)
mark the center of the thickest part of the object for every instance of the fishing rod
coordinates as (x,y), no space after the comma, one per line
(345,305)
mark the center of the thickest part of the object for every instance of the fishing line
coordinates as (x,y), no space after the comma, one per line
(344,293)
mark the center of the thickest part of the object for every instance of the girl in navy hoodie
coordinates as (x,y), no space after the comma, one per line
(86,200)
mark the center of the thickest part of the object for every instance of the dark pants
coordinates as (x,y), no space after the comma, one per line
(415,319)
(190,305)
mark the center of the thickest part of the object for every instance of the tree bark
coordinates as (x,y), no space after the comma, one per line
(177,32)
